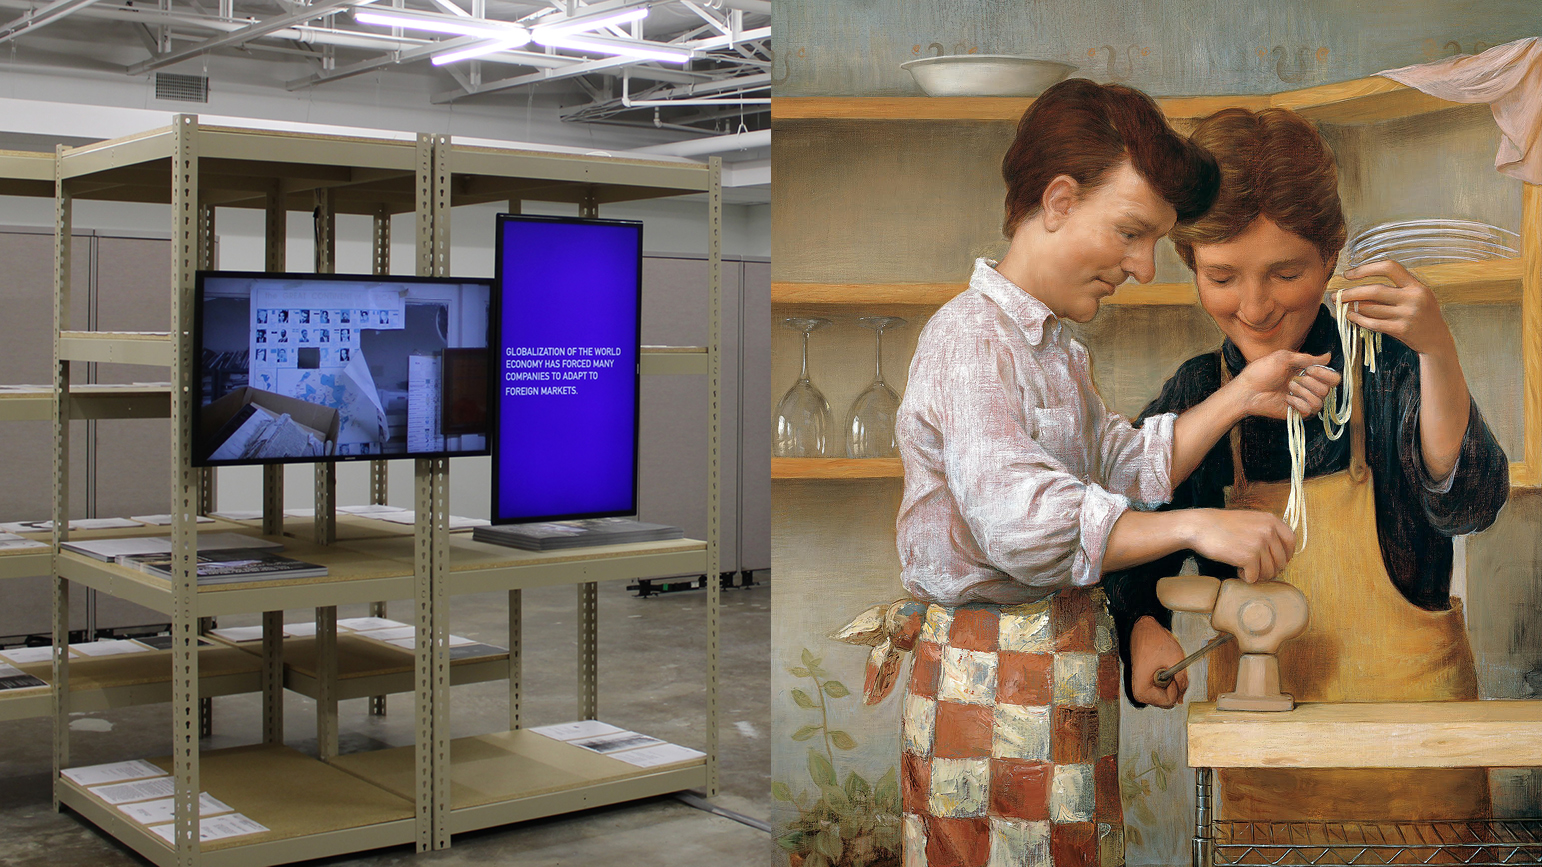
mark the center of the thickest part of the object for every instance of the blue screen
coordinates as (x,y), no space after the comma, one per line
(567,361)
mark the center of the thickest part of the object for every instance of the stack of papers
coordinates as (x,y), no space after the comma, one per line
(79,524)
(11,541)
(618,743)
(109,550)
(560,535)
(146,794)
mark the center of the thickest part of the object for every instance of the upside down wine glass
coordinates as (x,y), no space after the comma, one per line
(803,416)
(870,422)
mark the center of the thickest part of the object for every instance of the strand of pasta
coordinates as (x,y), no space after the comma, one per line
(1295,507)
(1360,345)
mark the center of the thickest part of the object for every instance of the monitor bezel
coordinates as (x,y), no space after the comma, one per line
(200,460)
(497,418)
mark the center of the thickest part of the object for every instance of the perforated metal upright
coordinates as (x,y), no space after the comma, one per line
(431,540)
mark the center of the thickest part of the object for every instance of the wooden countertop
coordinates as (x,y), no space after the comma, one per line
(1452,734)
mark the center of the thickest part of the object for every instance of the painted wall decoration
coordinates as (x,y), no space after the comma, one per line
(880,207)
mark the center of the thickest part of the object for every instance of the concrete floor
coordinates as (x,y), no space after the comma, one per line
(651,659)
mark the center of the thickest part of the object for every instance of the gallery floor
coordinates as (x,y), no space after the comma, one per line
(651,656)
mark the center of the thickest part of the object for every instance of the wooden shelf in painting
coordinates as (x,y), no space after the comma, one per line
(1362,100)
(1494,282)
(1440,734)
(937,294)
(836,468)
(312,810)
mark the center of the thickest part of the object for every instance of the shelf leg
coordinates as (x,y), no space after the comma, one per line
(185,489)
(714,455)
(208,491)
(588,641)
(273,500)
(326,504)
(63,213)
(431,652)
(1202,848)
(326,682)
(275,228)
(273,677)
(516,645)
(377,703)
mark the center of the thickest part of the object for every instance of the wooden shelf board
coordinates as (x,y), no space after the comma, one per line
(836,468)
(1363,735)
(524,770)
(132,679)
(366,666)
(300,799)
(117,347)
(1362,100)
(87,402)
(380,567)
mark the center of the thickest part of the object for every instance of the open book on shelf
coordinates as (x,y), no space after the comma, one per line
(229,566)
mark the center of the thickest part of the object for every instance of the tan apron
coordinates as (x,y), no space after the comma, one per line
(1365,643)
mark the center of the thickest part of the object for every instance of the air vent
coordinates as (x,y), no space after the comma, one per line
(185,88)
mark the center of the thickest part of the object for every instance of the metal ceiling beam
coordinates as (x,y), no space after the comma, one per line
(41,17)
(600,65)
(245,34)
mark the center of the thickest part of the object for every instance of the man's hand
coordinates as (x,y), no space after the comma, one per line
(1283,378)
(1153,648)
(1257,543)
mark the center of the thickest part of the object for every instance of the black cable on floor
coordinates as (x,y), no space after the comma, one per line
(691,799)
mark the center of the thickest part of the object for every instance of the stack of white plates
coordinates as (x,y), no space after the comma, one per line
(1416,243)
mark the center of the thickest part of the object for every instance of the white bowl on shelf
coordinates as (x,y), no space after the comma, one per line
(986,74)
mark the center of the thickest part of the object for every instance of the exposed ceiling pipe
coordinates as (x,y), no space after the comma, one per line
(759,7)
(715,145)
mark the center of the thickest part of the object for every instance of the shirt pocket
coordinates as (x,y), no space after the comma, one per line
(1061,432)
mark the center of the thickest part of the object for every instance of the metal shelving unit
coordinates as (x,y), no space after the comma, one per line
(333,805)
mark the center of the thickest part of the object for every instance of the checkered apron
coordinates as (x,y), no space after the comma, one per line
(1011,736)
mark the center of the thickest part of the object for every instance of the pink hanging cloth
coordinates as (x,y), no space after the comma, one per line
(1509,78)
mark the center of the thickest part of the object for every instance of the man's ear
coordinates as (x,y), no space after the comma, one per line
(1059,199)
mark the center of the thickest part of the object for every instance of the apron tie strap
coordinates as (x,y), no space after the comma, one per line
(891,631)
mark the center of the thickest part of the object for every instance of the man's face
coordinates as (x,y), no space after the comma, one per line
(1106,235)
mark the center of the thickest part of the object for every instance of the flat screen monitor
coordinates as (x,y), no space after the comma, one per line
(570,317)
(296,368)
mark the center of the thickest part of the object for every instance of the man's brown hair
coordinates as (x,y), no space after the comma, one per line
(1086,130)
(1274,164)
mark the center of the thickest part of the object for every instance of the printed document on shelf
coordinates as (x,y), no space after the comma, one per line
(143,790)
(162,810)
(109,648)
(28,655)
(214,828)
(579,729)
(663,754)
(112,772)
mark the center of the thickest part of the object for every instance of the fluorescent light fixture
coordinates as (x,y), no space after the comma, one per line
(512,34)
(580,25)
(483,49)
(617,47)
